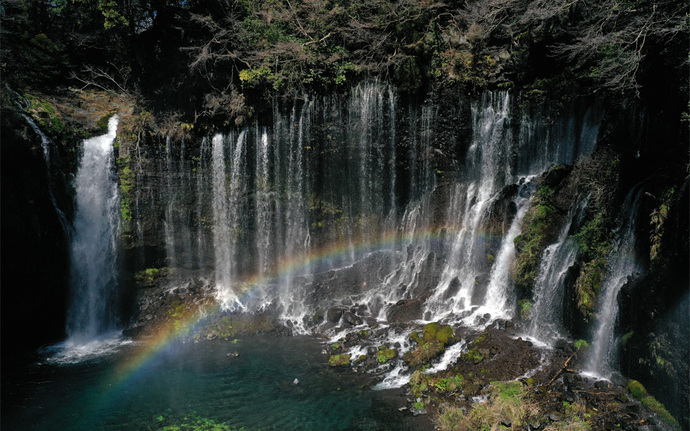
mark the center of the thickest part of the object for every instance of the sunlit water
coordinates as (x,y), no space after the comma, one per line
(247,384)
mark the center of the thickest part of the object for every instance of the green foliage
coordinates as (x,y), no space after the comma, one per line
(418,405)
(46,116)
(127,183)
(575,418)
(451,419)
(657,223)
(581,344)
(193,423)
(525,306)
(593,239)
(537,231)
(472,356)
(588,284)
(149,276)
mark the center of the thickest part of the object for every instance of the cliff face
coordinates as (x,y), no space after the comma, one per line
(35,247)
(363,203)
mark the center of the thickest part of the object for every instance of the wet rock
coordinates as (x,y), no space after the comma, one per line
(352,319)
(335,313)
(561,344)
(603,385)
(405,310)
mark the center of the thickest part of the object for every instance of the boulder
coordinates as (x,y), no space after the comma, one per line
(405,310)
(342,360)
(335,313)
(352,319)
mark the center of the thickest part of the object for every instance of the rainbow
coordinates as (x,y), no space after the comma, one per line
(192,321)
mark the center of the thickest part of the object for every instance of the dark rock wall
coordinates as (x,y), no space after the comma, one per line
(35,247)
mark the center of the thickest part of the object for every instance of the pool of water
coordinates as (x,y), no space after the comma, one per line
(248,384)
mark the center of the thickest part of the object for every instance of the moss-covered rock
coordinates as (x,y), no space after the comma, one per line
(385,355)
(430,330)
(424,352)
(638,391)
(342,360)
(444,334)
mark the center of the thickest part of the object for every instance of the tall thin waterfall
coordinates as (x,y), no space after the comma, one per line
(622,266)
(227,190)
(498,292)
(95,240)
(546,316)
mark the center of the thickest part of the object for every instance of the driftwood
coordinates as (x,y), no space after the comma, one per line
(563,369)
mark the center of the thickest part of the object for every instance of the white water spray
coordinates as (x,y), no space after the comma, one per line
(93,310)
(622,266)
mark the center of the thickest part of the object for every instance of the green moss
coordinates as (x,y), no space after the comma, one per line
(588,285)
(626,339)
(101,126)
(424,352)
(537,231)
(127,180)
(525,306)
(342,360)
(444,334)
(430,330)
(386,355)
(415,337)
(176,309)
(45,114)
(639,392)
(149,276)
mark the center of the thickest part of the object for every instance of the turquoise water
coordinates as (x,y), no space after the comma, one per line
(197,382)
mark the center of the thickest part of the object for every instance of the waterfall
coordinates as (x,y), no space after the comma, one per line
(484,174)
(227,191)
(557,259)
(498,292)
(93,310)
(622,265)
(333,201)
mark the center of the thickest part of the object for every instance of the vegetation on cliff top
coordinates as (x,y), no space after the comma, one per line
(205,58)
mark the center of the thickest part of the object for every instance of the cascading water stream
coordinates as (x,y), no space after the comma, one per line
(93,311)
(484,174)
(557,259)
(227,191)
(621,267)
(498,294)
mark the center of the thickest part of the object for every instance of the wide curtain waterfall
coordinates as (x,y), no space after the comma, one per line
(355,200)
